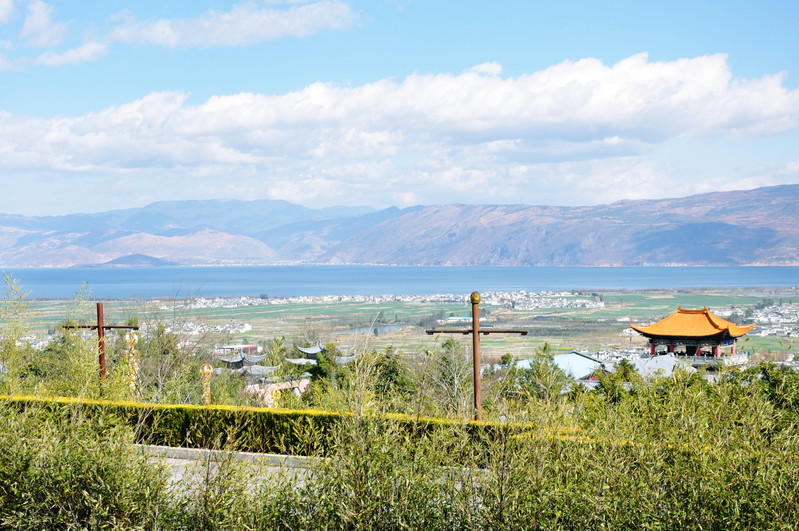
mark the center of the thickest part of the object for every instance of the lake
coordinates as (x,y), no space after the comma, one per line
(313,280)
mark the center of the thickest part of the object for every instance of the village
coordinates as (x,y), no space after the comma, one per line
(512,299)
(779,320)
(773,318)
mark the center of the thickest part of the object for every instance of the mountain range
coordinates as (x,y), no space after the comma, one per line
(751,227)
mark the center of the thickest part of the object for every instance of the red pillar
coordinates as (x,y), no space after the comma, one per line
(716,351)
(671,349)
(652,349)
(732,349)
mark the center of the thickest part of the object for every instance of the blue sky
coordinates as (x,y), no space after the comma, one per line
(113,104)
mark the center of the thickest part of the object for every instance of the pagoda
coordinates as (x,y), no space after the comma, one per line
(693,329)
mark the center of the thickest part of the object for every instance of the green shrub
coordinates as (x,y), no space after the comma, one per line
(243,428)
(670,453)
(61,470)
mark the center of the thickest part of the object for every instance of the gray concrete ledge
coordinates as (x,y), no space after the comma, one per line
(194,454)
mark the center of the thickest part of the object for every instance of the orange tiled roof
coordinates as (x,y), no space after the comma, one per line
(692,323)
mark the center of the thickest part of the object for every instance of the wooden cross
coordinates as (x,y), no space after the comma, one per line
(101,327)
(475,331)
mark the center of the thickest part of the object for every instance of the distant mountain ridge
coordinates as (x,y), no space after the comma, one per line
(748,227)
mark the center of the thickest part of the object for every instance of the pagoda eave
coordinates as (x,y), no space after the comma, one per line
(692,327)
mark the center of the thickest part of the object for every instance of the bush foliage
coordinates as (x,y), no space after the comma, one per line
(676,453)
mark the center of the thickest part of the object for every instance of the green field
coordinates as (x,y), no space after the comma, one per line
(348,323)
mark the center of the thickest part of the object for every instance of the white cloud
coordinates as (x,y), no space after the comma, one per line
(492,69)
(577,132)
(87,52)
(6,10)
(243,25)
(6,64)
(39,29)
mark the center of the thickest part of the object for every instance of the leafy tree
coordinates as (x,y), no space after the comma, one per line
(543,379)
(764,303)
(447,378)
(170,358)
(391,377)
(14,324)
(620,383)
(780,384)
(276,351)
(326,366)
(430,321)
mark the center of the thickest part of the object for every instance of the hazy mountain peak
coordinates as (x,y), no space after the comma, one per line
(758,226)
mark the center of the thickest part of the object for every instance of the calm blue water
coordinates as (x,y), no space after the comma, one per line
(379,280)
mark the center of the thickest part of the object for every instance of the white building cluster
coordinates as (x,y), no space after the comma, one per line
(520,300)
(223,302)
(197,328)
(614,356)
(524,300)
(779,320)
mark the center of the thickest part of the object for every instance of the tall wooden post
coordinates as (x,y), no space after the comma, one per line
(478,401)
(475,331)
(101,328)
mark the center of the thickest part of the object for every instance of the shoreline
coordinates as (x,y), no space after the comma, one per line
(350,280)
(488,295)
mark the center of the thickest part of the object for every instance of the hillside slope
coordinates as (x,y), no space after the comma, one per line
(725,228)
(758,226)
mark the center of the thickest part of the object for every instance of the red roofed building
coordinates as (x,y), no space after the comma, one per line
(693,329)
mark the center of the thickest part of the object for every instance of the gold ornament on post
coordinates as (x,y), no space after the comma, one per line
(131,340)
(206,371)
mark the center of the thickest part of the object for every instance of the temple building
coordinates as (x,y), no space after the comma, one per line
(701,333)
